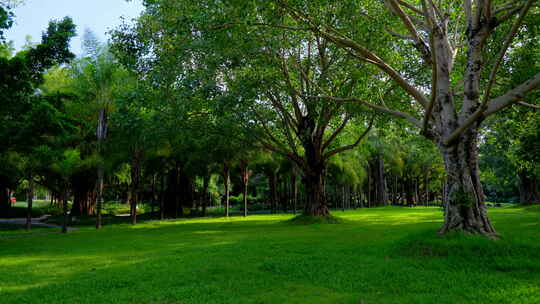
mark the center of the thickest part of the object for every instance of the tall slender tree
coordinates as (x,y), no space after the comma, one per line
(98,75)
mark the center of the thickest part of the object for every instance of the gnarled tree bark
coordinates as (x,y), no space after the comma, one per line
(464,207)
(313,180)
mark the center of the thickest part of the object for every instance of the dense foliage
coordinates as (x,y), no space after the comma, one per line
(266,106)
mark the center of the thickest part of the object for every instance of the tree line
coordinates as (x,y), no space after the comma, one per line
(298,105)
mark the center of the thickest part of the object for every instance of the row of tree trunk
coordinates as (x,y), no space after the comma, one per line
(178,193)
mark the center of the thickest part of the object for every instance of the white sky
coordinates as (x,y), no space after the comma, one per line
(100,16)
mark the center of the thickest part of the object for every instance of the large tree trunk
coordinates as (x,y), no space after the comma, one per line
(465,210)
(315,204)
(29,201)
(528,188)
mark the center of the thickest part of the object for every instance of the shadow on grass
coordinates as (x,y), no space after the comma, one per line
(310,220)
(12,231)
(505,255)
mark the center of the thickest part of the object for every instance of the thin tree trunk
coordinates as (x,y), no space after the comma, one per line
(273,192)
(418,194)
(284,198)
(101,135)
(245,192)
(65,210)
(29,201)
(135,184)
(369,188)
(294,187)
(177,190)
(396,191)
(206,181)
(245,181)
(226,181)
(153,201)
(99,201)
(343,198)
(162,198)
(426,185)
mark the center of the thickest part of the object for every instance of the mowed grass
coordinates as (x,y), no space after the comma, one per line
(381,255)
(16,230)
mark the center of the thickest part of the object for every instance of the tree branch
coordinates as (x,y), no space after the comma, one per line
(295,158)
(283,27)
(506,44)
(336,133)
(512,11)
(378,108)
(410,6)
(365,54)
(496,105)
(352,146)
(467,4)
(267,130)
(514,96)
(505,100)
(293,92)
(287,126)
(434,73)
(528,105)
(419,44)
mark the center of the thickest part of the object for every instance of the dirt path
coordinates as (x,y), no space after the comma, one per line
(37,222)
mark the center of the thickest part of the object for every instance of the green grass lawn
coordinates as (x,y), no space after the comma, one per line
(382,255)
(18,230)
